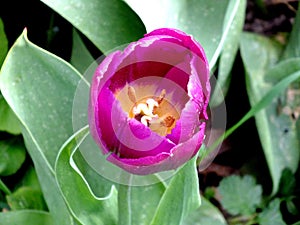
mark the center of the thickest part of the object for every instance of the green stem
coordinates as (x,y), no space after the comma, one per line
(4,188)
(246,220)
(124,194)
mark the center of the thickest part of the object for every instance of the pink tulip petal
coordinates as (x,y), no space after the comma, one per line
(163,161)
(186,40)
(164,59)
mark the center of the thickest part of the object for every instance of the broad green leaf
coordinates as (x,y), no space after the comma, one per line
(293,47)
(229,51)
(83,203)
(180,197)
(298,223)
(276,129)
(240,195)
(256,48)
(26,198)
(9,122)
(133,210)
(52,194)
(206,214)
(99,186)
(271,215)
(3,43)
(200,18)
(107,23)
(26,217)
(231,11)
(39,87)
(12,156)
(81,57)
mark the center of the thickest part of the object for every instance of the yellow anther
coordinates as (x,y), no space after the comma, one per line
(131,94)
(161,96)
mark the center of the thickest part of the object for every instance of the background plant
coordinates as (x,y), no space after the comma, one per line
(35,180)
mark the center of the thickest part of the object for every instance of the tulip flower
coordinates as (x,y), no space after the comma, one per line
(148,103)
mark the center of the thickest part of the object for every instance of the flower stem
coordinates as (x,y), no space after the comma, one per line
(4,188)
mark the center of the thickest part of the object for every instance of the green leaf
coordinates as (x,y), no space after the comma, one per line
(291,207)
(240,195)
(271,215)
(4,188)
(281,69)
(276,129)
(9,122)
(81,57)
(256,48)
(229,51)
(30,179)
(206,214)
(99,186)
(275,91)
(180,197)
(293,47)
(200,18)
(133,211)
(287,183)
(12,156)
(39,87)
(26,217)
(83,203)
(3,43)
(50,189)
(298,223)
(26,198)
(108,23)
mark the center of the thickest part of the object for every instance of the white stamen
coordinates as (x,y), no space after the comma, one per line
(145,119)
(142,107)
(151,103)
(147,109)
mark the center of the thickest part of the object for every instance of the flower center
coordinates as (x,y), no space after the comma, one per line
(155,112)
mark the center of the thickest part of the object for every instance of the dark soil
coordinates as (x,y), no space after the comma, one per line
(273,17)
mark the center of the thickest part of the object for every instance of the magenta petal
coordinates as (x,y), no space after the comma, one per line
(136,71)
(137,140)
(105,130)
(180,74)
(162,162)
(187,125)
(151,56)
(195,109)
(164,49)
(124,136)
(187,41)
(199,85)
